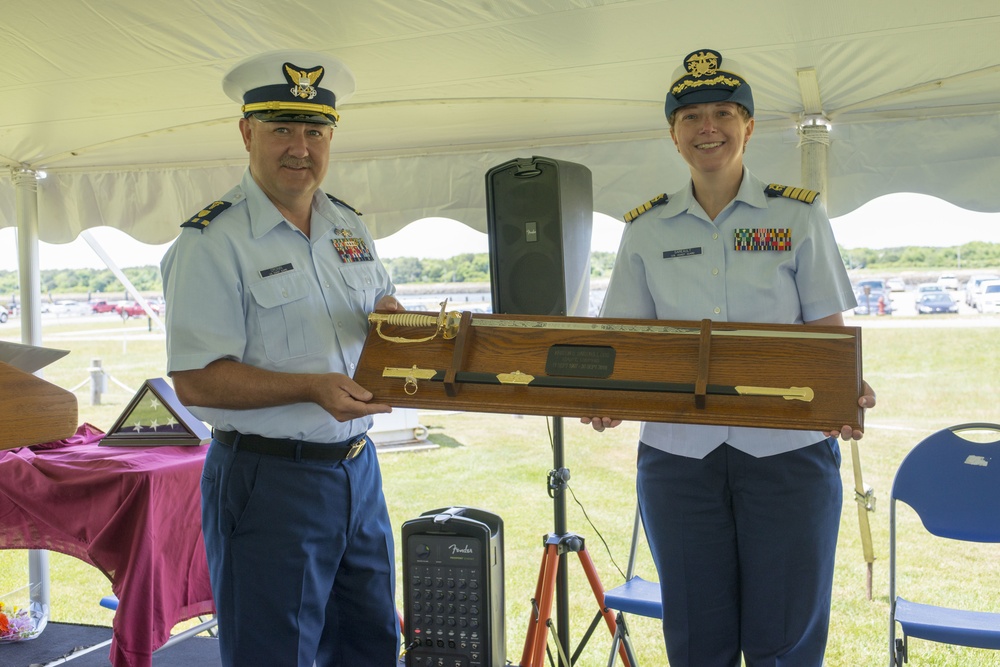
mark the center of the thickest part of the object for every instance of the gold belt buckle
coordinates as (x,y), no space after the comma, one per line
(356,448)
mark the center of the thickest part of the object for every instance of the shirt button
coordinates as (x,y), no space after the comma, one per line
(717,310)
(352,367)
(715,272)
(715,236)
(340,325)
(327,283)
(284,293)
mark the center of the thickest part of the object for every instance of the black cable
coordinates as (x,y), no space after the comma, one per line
(584,509)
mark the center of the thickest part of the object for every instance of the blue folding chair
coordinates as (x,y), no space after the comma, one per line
(953,485)
(636,596)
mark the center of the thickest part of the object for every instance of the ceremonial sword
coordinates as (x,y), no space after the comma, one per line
(517,378)
(447,324)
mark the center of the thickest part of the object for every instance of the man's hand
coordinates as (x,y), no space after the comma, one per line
(600,423)
(344,398)
(389,303)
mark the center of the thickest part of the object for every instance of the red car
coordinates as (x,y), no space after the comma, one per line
(129,309)
(102,307)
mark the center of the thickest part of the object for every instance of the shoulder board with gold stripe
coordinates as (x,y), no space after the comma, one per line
(639,210)
(799,194)
(344,204)
(201,219)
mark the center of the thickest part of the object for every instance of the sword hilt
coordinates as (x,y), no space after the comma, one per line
(446,323)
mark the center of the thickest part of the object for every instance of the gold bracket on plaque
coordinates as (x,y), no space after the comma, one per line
(517,377)
(409,376)
(446,324)
(789,394)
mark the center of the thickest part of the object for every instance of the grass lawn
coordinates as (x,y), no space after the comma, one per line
(927,377)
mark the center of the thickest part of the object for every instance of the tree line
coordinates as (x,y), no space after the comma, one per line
(475,268)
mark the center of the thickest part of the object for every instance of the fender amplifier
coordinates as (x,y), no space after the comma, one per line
(453,600)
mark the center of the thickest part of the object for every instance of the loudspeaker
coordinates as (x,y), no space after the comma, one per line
(540,214)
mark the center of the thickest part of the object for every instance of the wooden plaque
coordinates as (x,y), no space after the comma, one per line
(650,370)
(34,411)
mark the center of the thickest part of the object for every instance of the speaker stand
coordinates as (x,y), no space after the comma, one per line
(553,577)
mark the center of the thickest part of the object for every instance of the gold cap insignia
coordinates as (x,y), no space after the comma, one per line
(702,63)
(303,82)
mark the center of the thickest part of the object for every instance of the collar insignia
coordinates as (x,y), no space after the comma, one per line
(303,81)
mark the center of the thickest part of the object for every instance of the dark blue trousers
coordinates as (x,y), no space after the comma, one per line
(300,556)
(744,548)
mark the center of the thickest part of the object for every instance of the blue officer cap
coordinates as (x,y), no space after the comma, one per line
(705,78)
(299,86)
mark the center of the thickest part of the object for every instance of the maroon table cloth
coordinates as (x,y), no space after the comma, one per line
(132,512)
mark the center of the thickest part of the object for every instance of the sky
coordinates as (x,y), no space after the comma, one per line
(889,221)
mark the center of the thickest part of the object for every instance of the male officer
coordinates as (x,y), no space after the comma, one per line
(269,291)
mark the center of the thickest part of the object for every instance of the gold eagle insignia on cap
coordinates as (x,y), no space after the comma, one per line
(798,194)
(702,63)
(639,210)
(303,81)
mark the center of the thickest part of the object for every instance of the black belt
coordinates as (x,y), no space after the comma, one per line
(292,449)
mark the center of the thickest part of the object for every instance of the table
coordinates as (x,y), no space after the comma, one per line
(132,512)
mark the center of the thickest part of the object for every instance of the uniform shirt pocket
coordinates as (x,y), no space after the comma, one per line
(281,309)
(363,283)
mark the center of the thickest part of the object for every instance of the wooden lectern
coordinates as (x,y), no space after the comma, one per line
(32,410)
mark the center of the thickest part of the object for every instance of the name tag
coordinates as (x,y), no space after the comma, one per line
(275,270)
(683,252)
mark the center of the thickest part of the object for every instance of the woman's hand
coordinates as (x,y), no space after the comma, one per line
(866,402)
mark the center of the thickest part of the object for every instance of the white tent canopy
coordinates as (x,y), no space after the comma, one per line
(120,102)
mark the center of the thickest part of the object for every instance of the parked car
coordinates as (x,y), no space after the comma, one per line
(69,307)
(129,309)
(925,288)
(972,287)
(3,314)
(102,307)
(874,297)
(157,304)
(988,300)
(936,302)
(948,281)
(896,284)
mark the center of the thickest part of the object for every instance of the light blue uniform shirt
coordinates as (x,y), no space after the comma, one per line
(675,263)
(251,287)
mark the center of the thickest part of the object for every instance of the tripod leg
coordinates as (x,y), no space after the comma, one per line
(598,588)
(538,625)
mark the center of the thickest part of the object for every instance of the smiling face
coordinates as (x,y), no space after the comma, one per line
(288,160)
(711,137)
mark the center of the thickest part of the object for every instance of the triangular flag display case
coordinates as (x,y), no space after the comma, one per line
(154,417)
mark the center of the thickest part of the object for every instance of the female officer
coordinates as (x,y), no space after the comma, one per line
(742,522)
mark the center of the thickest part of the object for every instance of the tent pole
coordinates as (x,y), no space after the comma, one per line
(26,202)
(814,142)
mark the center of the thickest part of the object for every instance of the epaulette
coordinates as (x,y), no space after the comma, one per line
(343,203)
(800,194)
(201,219)
(639,210)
